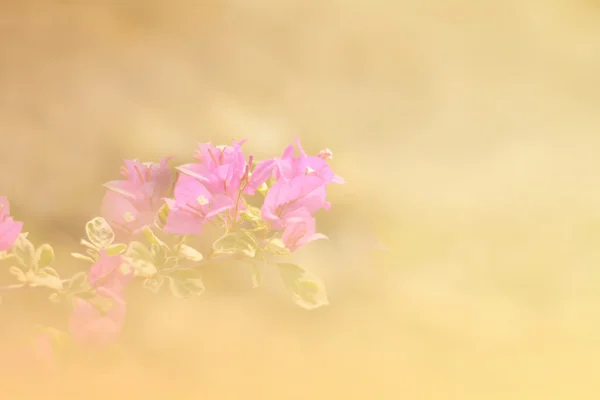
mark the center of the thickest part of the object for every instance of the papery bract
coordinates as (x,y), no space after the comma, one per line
(193,206)
(262,172)
(221,168)
(92,328)
(131,204)
(111,272)
(300,229)
(290,166)
(286,197)
(9,228)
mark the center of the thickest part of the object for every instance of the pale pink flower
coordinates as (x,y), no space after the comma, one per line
(193,206)
(261,173)
(91,327)
(300,229)
(287,197)
(290,166)
(131,204)
(9,228)
(221,169)
(111,272)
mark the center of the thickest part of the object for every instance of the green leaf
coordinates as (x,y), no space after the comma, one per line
(78,283)
(44,256)
(141,259)
(170,262)
(139,251)
(263,189)
(82,257)
(236,242)
(55,298)
(189,253)
(115,249)
(25,252)
(94,254)
(251,214)
(152,238)
(161,217)
(18,273)
(49,278)
(276,246)
(155,283)
(307,290)
(99,232)
(186,283)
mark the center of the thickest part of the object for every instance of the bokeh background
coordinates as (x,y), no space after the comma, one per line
(467,132)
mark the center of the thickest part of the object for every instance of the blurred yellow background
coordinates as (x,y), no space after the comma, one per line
(467,132)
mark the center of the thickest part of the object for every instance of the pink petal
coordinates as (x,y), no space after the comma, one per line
(180,222)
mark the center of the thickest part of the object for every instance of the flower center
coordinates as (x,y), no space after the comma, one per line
(128,217)
(202,200)
(125,268)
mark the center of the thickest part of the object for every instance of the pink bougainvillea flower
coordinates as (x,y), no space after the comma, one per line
(290,166)
(221,168)
(111,272)
(131,204)
(193,206)
(261,173)
(90,327)
(300,229)
(286,197)
(9,228)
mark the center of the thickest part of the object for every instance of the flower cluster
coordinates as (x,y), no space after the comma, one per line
(263,210)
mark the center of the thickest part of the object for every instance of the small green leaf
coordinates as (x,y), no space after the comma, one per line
(276,246)
(189,253)
(94,254)
(141,259)
(50,271)
(55,298)
(82,257)
(263,189)
(307,290)
(48,278)
(18,273)
(139,251)
(143,268)
(162,216)
(78,283)
(170,262)
(88,244)
(185,283)
(25,252)
(152,238)
(155,283)
(44,256)
(236,242)
(115,249)
(251,214)
(99,232)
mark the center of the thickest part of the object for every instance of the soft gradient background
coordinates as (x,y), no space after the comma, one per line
(467,131)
